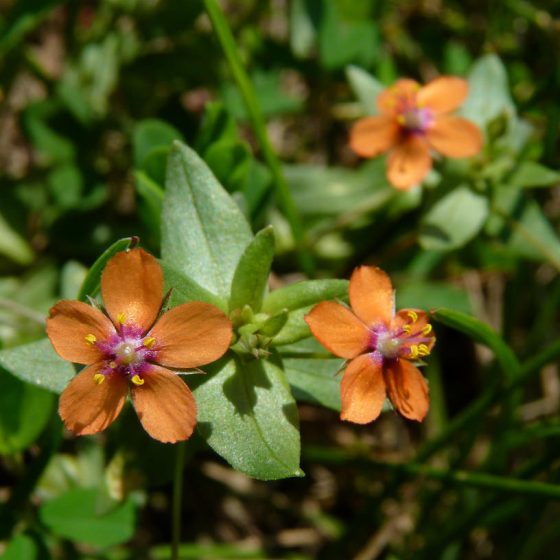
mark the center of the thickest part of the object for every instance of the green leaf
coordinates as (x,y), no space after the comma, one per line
(272,96)
(151,195)
(482,333)
(248,416)
(13,246)
(531,174)
(320,190)
(204,233)
(149,134)
(365,87)
(534,237)
(21,547)
(454,220)
(24,412)
(299,299)
(345,40)
(183,289)
(302,28)
(91,284)
(37,363)
(489,95)
(304,294)
(251,275)
(312,378)
(73,516)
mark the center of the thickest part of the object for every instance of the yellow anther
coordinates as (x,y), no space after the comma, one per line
(149,342)
(112,365)
(423,350)
(413,316)
(401,119)
(137,380)
(407,329)
(414,351)
(121,318)
(99,378)
(90,338)
(427,329)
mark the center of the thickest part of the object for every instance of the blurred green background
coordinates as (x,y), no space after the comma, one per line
(91,96)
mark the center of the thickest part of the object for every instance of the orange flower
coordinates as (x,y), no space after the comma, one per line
(380,346)
(412,121)
(130,347)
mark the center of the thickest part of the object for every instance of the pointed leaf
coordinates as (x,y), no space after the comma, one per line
(454,220)
(37,363)
(248,415)
(489,94)
(204,233)
(251,275)
(365,87)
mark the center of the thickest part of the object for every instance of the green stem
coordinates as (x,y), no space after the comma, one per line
(177,500)
(227,41)
(473,479)
(488,399)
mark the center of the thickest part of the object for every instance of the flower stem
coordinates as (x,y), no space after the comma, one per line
(177,500)
(227,41)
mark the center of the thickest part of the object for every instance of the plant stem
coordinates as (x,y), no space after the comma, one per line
(474,479)
(488,399)
(227,41)
(177,500)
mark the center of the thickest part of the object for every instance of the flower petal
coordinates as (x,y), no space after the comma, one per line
(407,389)
(362,390)
(455,137)
(191,335)
(338,329)
(165,405)
(68,325)
(401,94)
(86,407)
(409,163)
(443,94)
(132,286)
(373,135)
(371,295)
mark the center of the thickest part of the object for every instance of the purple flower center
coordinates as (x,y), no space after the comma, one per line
(127,352)
(416,120)
(409,341)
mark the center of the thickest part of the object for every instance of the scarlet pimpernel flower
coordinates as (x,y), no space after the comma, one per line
(414,121)
(381,347)
(131,347)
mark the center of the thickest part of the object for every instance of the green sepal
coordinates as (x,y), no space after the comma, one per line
(274,324)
